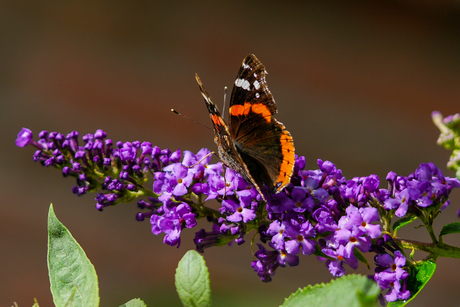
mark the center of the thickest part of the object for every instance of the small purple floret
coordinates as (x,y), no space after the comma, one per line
(24,137)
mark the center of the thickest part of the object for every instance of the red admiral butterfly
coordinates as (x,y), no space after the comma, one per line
(254,143)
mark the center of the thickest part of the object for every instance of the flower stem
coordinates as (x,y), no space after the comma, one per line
(435,250)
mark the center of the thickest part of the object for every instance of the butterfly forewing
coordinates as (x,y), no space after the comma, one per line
(264,144)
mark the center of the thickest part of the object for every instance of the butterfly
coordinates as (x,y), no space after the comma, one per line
(254,143)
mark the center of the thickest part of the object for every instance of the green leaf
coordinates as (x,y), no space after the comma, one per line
(192,280)
(35,303)
(450,228)
(72,276)
(403,222)
(135,302)
(350,290)
(419,275)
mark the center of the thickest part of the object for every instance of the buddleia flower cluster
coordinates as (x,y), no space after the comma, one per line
(319,213)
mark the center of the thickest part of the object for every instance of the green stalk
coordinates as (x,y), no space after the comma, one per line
(435,250)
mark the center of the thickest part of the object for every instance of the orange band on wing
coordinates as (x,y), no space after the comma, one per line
(239,110)
(217,120)
(258,108)
(262,109)
(287,166)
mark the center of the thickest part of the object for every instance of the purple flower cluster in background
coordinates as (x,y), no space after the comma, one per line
(320,212)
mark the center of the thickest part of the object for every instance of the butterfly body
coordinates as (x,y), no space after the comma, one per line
(254,143)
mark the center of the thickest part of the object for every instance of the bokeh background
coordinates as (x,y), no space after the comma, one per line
(355,84)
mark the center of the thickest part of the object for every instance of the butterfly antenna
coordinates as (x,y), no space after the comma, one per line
(192,120)
(225,100)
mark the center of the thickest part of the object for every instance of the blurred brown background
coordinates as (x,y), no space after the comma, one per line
(354,83)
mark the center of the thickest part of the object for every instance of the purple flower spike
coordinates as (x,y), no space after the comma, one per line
(318,209)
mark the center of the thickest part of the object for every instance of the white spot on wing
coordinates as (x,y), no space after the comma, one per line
(256,84)
(244,84)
